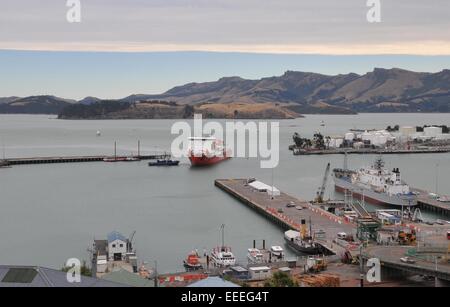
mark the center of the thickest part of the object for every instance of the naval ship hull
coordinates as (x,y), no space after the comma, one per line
(377,198)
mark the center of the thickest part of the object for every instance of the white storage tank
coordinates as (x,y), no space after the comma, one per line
(366,136)
(444,136)
(407,130)
(332,143)
(349,136)
(339,142)
(358,145)
(432,131)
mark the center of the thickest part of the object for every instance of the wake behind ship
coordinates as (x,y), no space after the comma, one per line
(207,151)
(375,184)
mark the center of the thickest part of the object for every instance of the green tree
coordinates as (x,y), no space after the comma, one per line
(280,279)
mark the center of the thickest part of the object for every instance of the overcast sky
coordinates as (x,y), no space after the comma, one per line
(313,26)
(42,53)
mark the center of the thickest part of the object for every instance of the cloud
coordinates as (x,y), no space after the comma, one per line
(263,26)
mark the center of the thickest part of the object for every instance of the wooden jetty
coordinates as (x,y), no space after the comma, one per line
(289,218)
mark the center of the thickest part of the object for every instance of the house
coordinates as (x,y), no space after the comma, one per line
(35,276)
(117,246)
(237,272)
(260,273)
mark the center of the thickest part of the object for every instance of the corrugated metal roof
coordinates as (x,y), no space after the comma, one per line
(213,282)
(261,186)
(45,277)
(115,235)
(127,278)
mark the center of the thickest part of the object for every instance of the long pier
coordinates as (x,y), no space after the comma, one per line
(72,159)
(287,218)
(426,202)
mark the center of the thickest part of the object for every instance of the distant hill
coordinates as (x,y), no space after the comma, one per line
(382,90)
(156,109)
(294,92)
(44,104)
(8,99)
(89,100)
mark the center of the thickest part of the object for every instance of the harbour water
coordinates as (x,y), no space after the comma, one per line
(49,213)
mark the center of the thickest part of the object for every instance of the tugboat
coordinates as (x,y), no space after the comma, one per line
(255,256)
(207,151)
(222,256)
(302,242)
(192,262)
(164,162)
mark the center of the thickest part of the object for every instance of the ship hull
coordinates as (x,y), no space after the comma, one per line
(205,161)
(304,250)
(342,185)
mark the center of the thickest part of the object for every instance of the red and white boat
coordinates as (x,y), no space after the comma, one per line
(207,151)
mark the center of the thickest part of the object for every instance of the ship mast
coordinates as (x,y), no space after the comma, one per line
(379,163)
(222,227)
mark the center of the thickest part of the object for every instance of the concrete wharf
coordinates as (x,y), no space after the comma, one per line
(290,217)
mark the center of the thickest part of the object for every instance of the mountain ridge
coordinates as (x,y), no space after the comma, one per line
(380,90)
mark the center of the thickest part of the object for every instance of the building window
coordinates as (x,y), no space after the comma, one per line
(114,245)
(121,245)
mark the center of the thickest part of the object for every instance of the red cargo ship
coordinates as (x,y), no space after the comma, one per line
(207,151)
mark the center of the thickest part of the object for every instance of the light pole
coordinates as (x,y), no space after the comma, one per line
(437,177)
(361,266)
(156,274)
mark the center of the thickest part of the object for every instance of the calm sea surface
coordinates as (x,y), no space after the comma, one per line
(49,213)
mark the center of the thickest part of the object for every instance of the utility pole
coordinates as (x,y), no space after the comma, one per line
(436,269)
(272,183)
(437,177)
(156,274)
(361,266)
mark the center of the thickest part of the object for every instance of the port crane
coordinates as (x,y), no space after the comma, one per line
(321,190)
(130,242)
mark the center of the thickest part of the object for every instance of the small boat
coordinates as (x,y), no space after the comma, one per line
(4,164)
(300,245)
(132,159)
(322,124)
(276,253)
(165,162)
(222,256)
(255,256)
(98,133)
(192,262)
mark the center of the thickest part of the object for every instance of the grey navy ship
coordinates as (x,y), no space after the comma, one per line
(376,184)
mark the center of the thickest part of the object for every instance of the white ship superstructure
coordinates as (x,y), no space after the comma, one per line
(376,184)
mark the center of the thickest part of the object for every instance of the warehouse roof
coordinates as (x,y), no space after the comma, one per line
(35,276)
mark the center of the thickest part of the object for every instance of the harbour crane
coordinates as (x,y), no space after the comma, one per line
(130,242)
(321,190)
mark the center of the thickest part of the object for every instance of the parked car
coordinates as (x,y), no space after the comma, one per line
(407,260)
(290,204)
